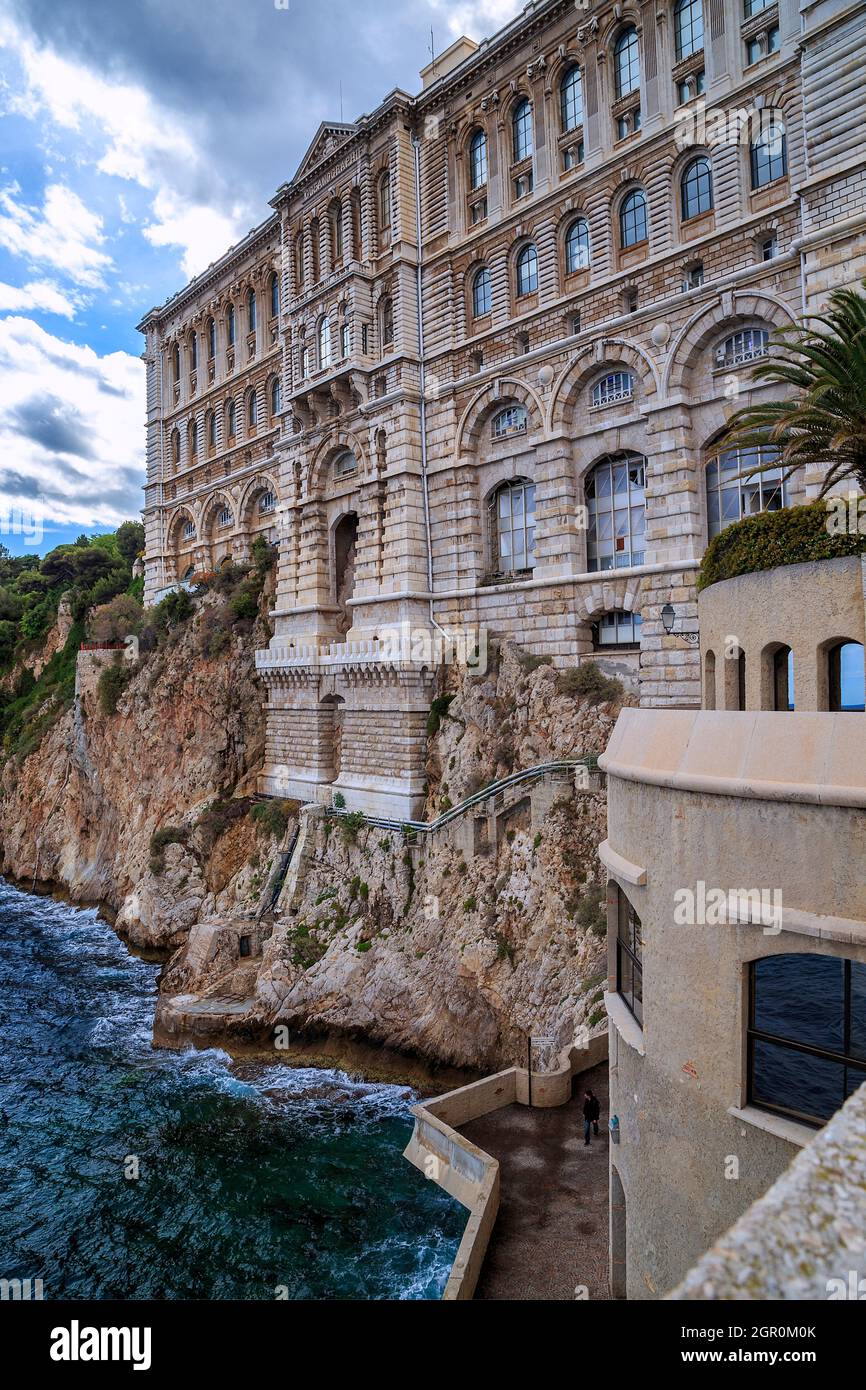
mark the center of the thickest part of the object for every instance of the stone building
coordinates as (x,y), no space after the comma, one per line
(736,918)
(496,328)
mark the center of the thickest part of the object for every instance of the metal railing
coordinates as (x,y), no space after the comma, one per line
(529,774)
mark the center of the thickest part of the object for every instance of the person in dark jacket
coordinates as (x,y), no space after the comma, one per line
(591,1112)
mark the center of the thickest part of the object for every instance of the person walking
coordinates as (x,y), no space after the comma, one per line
(591,1112)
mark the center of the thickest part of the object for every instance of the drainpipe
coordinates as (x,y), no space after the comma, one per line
(416,147)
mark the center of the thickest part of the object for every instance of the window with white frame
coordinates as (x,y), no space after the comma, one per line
(512,515)
(614,492)
(478,160)
(188,530)
(482,293)
(345,463)
(527,271)
(612,387)
(571,100)
(746,345)
(512,420)
(521,131)
(633,219)
(267,501)
(617,629)
(577,246)
(689,26)
(626,57)
(224,517)
(324,343)
(743,482)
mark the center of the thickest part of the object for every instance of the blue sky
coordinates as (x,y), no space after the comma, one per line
(138,140)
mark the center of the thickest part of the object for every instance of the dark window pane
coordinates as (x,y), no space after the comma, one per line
(801,997)
(811,1087)
(858,1009)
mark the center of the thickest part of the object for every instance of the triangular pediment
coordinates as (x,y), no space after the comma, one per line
(327,138)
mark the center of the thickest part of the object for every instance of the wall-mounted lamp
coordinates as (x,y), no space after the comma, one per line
(669,618)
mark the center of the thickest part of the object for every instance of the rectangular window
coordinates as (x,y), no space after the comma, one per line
(753,52)
(629,956)
(523,185)
(479,211)
(773,39)
(752,7)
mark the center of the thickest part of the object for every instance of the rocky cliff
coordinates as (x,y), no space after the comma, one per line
(452,946)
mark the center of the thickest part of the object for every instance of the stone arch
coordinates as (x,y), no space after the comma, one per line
(326,453)
(609,595)
(607,352)
(179,516)
(220,498)
(505,391)
(710,321)
(262,482)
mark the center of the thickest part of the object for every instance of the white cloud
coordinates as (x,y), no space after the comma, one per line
(130,137)
(475,18)
(38,294)
(64,234)
(71,427)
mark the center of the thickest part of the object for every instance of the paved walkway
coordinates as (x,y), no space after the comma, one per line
(552,1231)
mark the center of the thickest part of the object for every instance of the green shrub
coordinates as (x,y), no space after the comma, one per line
(175,608)
(529,662)
(339,801)
(272,817)
(438,712)
(589,683)
(244,604)
(363,945)
(792,536)
(169,835)
(111,685)
(470,903)
(350,824)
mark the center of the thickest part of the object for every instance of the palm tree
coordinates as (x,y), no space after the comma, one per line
(824,422)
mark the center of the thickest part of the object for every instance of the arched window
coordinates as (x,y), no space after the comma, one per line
(251,311)
(512,420)
(267,502)
(252,410)
(193,437)
(386,314)
(211,340)
(482,294)
(512,514)
(210,429)
(696,187)
(385,202)
(275,295)
(188,534)
(743,346)
(627,62)
(735,679)
(175,448)
(629,955)
(276,396)
(175,364)
(735,489)
(806,1033)
(304,362)
(193,351)
(478,160)
(612,387)
(845,676)
(224,517)
(777,677)
(527,271)
(571,100)
(231,420)
(617,629)
(345,338)
(336,215)
(189,572)
(300,270)
(521,131)
(633,219)
(230,325)
(768,152)
(345,463)
(614,492)
(689,26)
(577,246)
(324,342)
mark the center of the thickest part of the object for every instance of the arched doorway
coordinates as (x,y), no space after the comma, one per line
(618,1282)
(332,706)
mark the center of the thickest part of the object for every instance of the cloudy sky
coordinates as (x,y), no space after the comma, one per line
(138,139)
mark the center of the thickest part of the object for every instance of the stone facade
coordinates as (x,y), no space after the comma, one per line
(485,292)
